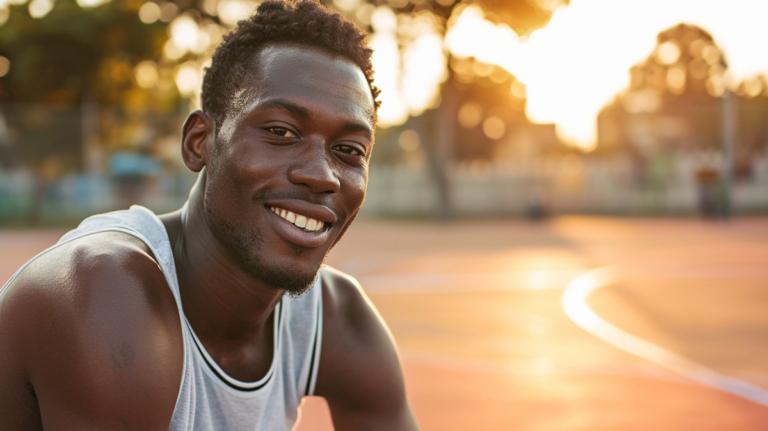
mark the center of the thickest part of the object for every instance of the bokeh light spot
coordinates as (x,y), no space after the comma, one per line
(232,11)
(86,4)
(715,86)
(409,140)
(711,55)
(676,79)
(171,51)
(494,128)
(168,11)
(363,14)
(753,87)
(149,12)
(347,5)
(40,8)
(668,52)
(184,32)
(5,66)
(470,115)
(499,75)
(146,74)
(187,78)
(383,19)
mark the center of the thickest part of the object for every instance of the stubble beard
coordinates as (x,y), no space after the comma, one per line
(247,246)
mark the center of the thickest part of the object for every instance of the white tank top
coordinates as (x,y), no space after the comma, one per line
(208,398)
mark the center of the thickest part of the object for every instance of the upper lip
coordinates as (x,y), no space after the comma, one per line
(318,212)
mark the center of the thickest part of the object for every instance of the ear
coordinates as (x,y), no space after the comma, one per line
(197,137)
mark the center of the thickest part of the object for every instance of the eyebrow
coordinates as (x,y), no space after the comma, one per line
(293,108)
(351,126)
(303,113)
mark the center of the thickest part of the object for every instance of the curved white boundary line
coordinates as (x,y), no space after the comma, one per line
(574,302)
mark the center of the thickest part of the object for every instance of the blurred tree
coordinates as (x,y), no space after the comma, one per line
(523,16)
(468,89)
(673,100)
(63,64)
(686,60)
(130,53)
(73,53)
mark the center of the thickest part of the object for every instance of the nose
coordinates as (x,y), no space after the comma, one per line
(314,168)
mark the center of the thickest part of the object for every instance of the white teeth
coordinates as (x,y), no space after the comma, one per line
(301,221)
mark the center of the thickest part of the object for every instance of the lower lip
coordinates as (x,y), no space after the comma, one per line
(293,234)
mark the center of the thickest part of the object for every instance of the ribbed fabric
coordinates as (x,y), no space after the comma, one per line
(208,398)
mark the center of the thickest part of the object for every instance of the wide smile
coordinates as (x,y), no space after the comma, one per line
(305,223)
(302,226)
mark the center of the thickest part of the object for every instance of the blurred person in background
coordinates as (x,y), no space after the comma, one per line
(221,315)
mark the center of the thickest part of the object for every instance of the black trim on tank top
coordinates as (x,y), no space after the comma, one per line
(224,380)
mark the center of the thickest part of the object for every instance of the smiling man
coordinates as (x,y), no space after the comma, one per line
(221,315)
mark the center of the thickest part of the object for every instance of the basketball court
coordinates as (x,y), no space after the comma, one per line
(492,318)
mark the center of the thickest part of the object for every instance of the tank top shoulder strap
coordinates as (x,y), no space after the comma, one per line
(141,223)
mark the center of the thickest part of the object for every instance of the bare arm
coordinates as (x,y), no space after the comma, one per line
(91,341)
(360,375)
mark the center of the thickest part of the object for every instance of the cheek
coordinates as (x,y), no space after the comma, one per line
(356,186)
(233,181)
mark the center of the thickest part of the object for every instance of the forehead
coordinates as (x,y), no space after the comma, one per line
(314,79)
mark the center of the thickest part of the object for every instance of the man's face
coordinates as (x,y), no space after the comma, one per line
(290,166)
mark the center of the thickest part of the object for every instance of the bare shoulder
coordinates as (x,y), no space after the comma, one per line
(351,317)
(344,298)
(360,374)
(91,335)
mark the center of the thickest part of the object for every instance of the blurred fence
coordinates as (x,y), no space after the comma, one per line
(79,195)
(569,184)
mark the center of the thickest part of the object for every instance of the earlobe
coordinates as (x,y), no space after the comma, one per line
(197,134)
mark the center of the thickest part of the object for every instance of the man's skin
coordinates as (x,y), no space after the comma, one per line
(90,337)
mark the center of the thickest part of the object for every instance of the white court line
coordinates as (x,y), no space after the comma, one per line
(574,302)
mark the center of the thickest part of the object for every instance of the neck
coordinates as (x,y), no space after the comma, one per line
(223,302)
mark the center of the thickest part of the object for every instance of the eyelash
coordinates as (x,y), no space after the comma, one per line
(340,147)
(273,130)
(359,153)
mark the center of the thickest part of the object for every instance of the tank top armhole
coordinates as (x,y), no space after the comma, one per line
(315,361)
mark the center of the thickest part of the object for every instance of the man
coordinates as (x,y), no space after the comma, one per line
(220,315)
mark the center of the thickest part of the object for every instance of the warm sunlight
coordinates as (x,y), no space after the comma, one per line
(581,59)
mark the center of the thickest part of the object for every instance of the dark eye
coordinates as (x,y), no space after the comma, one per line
(282,132)
(348,149)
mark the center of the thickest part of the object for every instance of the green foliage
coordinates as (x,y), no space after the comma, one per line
(73,53)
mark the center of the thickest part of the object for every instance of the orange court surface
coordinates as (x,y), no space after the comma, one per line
(504,325)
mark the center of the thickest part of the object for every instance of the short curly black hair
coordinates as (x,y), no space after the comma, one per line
(305,23)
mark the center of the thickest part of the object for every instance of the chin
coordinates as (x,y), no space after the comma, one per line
(287,279)
(295,277)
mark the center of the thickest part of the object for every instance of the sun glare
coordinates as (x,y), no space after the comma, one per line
(576,64)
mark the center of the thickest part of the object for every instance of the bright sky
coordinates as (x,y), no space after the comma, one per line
(581,59)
